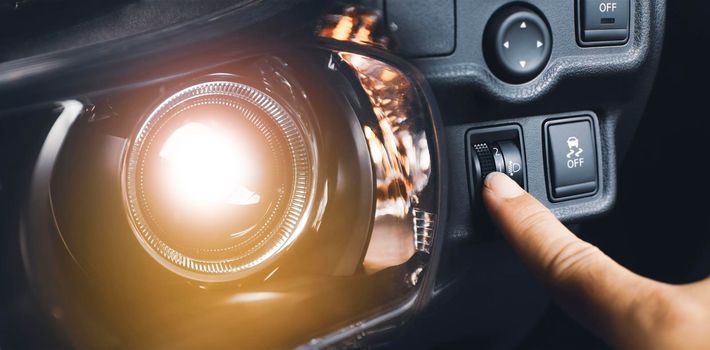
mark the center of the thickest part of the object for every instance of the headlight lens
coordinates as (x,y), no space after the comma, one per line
(217,180)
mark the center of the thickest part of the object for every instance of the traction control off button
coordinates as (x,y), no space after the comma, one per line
(571,158)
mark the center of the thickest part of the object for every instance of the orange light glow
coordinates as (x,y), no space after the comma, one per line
(356,25)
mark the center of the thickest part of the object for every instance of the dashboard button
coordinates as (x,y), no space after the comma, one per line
(603,22)
(434,36)
(518,44)
(571,158)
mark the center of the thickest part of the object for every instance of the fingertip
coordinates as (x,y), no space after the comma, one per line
(502,186)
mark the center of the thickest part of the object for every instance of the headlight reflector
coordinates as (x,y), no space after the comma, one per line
(218,179)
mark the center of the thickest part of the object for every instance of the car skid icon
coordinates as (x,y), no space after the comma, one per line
(572,143)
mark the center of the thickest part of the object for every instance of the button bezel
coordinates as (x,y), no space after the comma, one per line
(546,145)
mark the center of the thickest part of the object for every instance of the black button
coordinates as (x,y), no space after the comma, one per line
(603,21)
(571,158)
(518,44)
(422,28)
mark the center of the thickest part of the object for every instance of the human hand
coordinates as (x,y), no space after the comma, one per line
(626,309)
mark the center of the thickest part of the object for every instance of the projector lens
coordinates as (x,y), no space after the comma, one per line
(218,179)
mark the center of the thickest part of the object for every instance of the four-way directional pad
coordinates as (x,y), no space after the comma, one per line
(518,44)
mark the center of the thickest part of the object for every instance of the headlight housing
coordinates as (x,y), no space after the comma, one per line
(212,207)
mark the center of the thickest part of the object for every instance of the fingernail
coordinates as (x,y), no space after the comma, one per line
(503,186)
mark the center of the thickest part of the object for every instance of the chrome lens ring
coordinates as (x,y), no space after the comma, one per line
(283,135)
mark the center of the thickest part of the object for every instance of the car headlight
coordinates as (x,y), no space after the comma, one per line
(218,179)
(212,207)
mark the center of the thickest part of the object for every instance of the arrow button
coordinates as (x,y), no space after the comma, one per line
(517,44)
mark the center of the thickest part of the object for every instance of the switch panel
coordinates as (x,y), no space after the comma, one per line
(603,22)
(571,158)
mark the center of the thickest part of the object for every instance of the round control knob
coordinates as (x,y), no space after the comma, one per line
(503,156)
(517,44)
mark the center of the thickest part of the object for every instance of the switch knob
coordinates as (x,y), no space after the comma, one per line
(501,156)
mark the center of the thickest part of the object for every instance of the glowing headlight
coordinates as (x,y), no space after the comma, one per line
(304,180)
(217,180)
(204,166)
